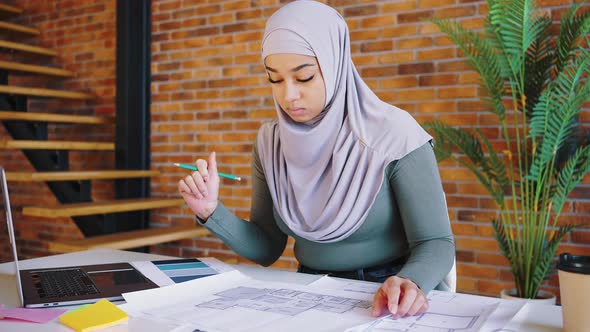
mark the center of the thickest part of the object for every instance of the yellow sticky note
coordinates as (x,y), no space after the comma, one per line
(95,316)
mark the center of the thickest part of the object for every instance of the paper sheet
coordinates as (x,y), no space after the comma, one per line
(494,320)
(536,317)
(234,302)
(162,277)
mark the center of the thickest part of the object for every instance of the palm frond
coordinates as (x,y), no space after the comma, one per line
(570,176)
(538,63)
(490,171)
(517,29)
(554,116)
(482,56)
(571,30)
(545,260)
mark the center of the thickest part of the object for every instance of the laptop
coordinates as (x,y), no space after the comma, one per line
(73,285)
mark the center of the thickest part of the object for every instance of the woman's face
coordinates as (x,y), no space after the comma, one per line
(297,85)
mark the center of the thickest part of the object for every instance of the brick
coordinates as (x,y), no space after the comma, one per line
(379,46)
(495,259)
(419,42)
(462,11)
(364,10)
(379,71)
(457,92)
(378,21)
(477,271)
(466,285)
(493,288)
(438,80)
(437,107)
(439,53)
(397,57)
(398,6)
(416,68)
(364,59)
(414,16)
(416,94)
(399,31)
(456,174)
(463,229)
(476,244)
(399,82)
(363,35)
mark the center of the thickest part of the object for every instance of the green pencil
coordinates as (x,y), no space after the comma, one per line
(223,175)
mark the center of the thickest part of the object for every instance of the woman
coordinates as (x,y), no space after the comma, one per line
(351,178)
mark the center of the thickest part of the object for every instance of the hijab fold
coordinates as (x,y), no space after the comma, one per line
(324,175)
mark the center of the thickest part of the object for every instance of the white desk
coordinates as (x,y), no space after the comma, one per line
(546,319)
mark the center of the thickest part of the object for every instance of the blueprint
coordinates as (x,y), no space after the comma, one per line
(448,311)
(438,318)
(232,301)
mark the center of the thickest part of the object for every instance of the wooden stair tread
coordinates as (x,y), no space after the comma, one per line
(55,145)
(51,117)
(78,175)
(39,92)
(85,209)
(130,239)
(19,28)
(10,9)
(17,66)
(27,48)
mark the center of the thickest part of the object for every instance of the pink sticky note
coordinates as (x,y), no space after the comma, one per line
(41,315)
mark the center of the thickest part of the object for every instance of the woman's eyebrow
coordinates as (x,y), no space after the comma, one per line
(293,70)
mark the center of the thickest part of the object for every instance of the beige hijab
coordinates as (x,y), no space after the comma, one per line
(324,176)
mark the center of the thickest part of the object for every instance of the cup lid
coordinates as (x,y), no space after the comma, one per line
(572,263)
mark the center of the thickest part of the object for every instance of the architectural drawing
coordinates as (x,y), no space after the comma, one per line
(436,319)
(281,301)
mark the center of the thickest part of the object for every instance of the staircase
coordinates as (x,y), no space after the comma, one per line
(28,132)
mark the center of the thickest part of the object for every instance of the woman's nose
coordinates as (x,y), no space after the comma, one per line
(292,92)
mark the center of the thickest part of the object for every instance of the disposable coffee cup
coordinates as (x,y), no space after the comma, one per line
(574,285)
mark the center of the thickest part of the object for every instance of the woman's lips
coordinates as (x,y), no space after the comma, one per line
(296,111)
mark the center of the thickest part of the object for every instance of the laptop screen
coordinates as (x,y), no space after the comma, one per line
(10,226)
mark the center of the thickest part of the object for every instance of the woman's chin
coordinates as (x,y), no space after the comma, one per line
(299,117)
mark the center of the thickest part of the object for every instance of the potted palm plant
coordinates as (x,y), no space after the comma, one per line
(536,83)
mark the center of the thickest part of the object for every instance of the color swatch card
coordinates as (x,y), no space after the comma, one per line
(94,316)
(173,271)
(181,270)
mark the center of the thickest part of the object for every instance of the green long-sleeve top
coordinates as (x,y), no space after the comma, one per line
(409,218)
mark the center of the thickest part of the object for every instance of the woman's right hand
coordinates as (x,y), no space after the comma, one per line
(200,190)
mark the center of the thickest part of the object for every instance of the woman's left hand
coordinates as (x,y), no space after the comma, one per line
(401,297)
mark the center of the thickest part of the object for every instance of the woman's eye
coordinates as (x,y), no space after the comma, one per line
(306,79)
(274,82)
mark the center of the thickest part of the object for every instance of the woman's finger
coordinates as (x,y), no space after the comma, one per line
(190,181)
(183,188)
(200,183)
(379,302)
(202,168)
(418,304)
(407,299)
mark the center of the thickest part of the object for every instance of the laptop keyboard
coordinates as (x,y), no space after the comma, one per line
(60,283)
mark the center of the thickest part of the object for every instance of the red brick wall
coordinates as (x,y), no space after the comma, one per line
(209,92)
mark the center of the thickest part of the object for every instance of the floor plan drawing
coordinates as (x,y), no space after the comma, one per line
(439,318)
(282,301)
(232,302)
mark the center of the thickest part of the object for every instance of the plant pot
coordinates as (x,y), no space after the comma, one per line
(543,297)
